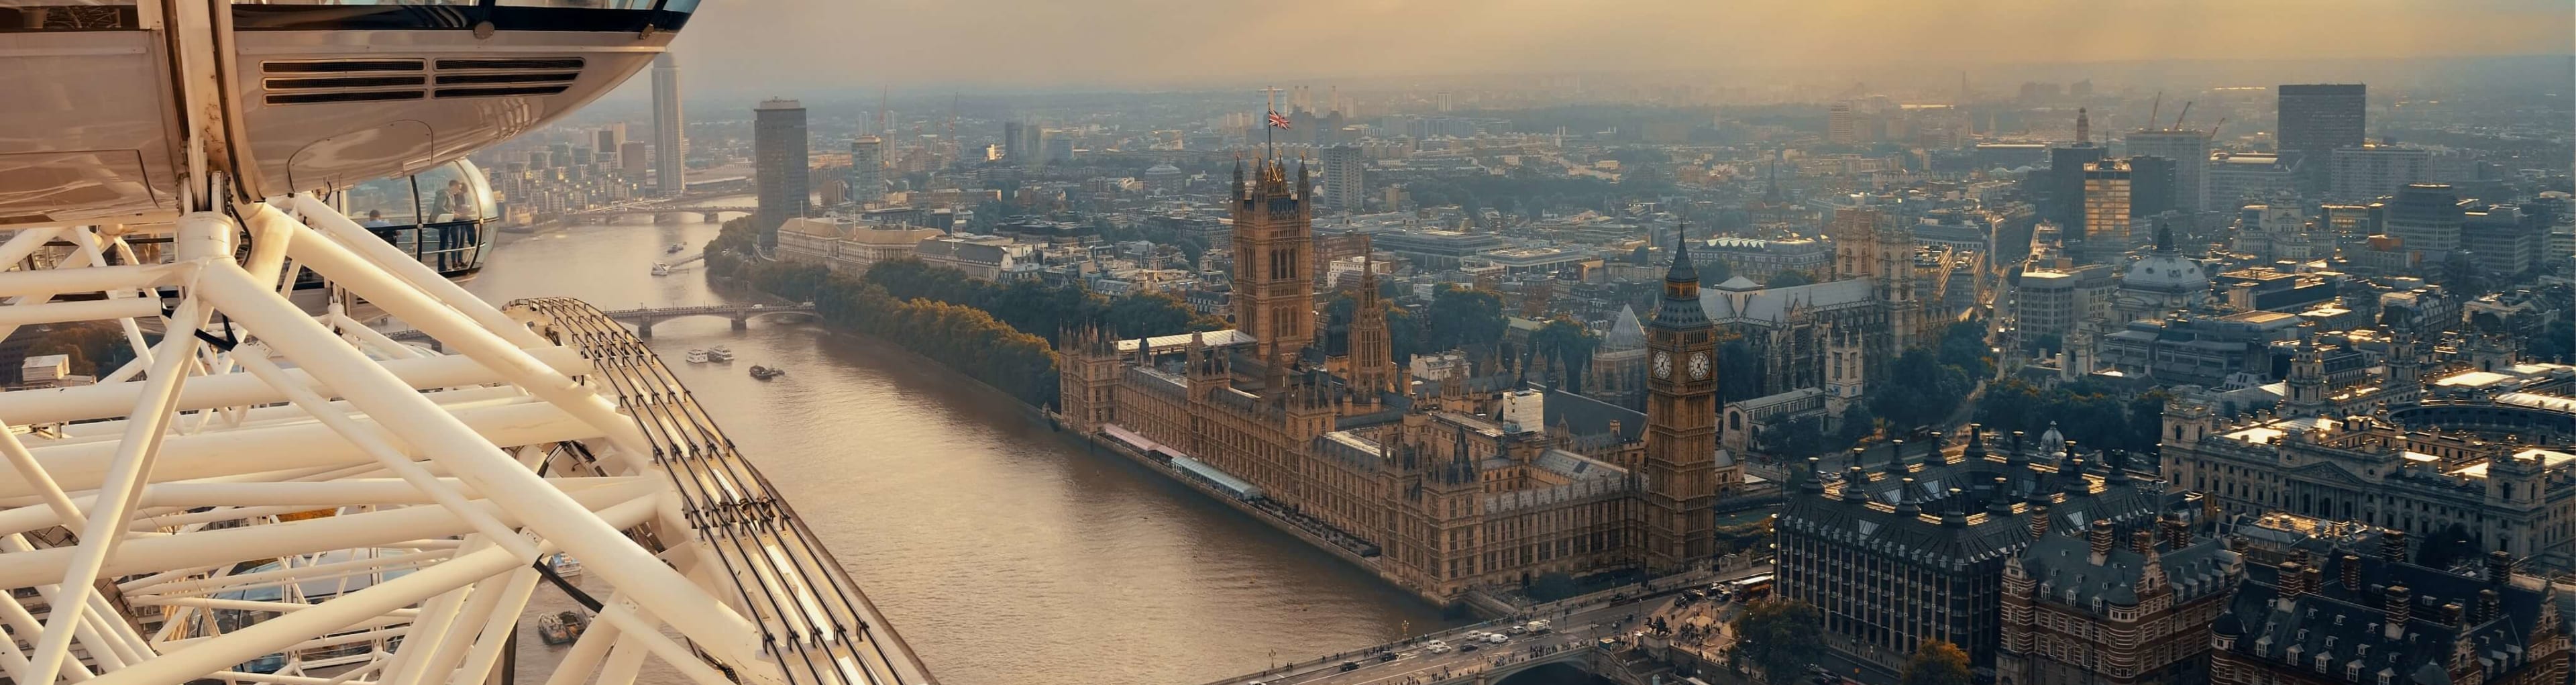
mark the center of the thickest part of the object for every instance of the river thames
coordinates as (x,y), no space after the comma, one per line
(1004,552)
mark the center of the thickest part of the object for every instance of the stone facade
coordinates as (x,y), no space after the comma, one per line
(1912,543)
(2423,469)
(2087,611)
(1451,484)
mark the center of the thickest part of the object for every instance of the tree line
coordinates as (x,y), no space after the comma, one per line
(1002,335)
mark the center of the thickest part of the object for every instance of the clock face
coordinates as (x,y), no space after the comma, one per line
(1699,366)
(1663,365)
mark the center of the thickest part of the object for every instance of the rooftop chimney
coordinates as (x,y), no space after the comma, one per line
(2352,573)
(1896,456)
(2101,539)
(1976,448)
(1813,481)
(1905,505)
(2001,503)
(2117,468)
(2293,582)
(2143,542)
(2177,532)
(2313,577)
(2392,545)
(2038,520)
(2016,456)
(2499,567)
(2451,614)
(1855,483)
(2399,610)
(2489,605)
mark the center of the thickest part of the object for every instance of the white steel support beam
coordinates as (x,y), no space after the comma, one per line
(715,626)
(81,467)
(382,528)
(111,399)
(106,525)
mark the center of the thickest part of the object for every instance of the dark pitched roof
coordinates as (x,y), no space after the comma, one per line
(2346,623)
(1587,416)
(2063,568)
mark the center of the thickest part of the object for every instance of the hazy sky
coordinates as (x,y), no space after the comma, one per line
(793,46)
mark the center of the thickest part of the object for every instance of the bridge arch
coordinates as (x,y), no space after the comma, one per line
(642,320)
(1574,665)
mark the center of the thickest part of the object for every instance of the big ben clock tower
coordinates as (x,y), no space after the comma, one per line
(1681,423)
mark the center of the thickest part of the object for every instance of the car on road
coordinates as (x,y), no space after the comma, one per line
(1497,638)
(1348,666)
(1389,656)
(1436,647)
(1538,626)
(1469,647)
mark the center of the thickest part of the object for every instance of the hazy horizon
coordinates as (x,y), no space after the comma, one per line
(799,46)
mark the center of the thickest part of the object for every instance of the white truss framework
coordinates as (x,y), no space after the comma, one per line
(265,495)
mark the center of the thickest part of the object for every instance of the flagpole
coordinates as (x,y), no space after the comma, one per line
(1270,108)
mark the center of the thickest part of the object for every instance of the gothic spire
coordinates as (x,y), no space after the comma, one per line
(1683,270)
(2164,237)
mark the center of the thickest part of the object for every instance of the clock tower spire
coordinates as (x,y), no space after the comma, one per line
(1681,422)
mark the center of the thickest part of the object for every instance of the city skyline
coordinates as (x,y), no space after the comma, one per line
(1129,44)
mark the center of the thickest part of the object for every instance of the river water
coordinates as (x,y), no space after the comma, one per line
(1003,552)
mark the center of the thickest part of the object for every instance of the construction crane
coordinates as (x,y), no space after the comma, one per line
(2213,128)
(2157,106)
(2186,113)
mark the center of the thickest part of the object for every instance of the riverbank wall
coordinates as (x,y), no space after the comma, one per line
(1097,444)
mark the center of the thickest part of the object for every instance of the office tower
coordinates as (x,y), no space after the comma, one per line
(779,165)
(1344,170)
(867,169)
(2426,216)
(2318,118)
(1839,129)
(2151,185)
(635,159)
(670,144)
(1059,146)
(2189,151)
(1011,150)
(609,138)
(562,155)
(2106,210)
(2315,120)
(2363,173)
(2064,183)
(1445,102)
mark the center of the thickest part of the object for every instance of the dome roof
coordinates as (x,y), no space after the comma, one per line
(1165,168)
(2165,271)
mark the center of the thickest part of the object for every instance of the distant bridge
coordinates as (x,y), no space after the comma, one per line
(741,314)
(643,319)
(657,210)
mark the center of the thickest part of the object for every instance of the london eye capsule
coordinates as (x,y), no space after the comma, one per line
(303,95)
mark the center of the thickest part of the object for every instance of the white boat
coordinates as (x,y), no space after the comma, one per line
(698,356)
(661,269)
(719,354)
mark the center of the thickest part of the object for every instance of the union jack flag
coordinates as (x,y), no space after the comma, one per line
(1277,120)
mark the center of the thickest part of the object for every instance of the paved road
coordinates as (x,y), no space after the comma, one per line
(1576,628)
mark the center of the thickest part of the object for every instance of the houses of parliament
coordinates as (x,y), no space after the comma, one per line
(1454,483)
